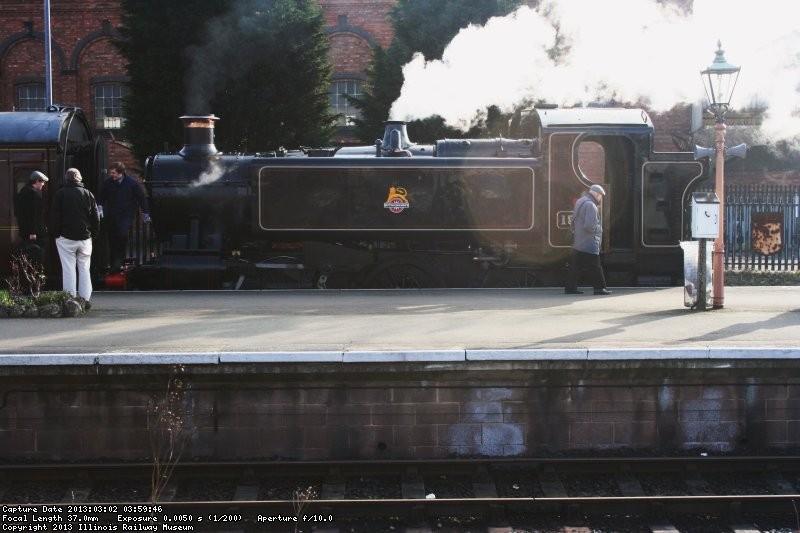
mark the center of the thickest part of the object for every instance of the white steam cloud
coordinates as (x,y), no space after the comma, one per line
(213,172)
(576,52)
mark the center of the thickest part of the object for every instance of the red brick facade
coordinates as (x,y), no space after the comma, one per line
(81,31)
(349,53)
(361,17)
(83,54)
(669,124)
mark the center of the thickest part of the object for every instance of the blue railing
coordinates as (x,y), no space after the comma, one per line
(762,227)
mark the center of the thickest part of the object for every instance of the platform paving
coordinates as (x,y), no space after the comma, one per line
(409,325)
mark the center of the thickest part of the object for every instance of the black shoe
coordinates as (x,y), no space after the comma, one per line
(602,292)
(572,291)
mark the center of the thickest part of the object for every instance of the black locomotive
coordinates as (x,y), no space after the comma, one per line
(457,213)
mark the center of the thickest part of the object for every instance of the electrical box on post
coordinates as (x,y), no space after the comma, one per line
(705,215)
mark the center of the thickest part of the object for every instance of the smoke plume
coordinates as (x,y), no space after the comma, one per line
(579,52)
(223,57)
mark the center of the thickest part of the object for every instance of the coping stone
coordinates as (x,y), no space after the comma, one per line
(608,354)
(416,356)
(48,359)
(158,358)
(281,357)
(754,353)
(566,354)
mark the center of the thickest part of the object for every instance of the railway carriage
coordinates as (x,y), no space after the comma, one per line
(49,141)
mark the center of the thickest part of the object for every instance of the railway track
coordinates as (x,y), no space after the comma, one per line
(665,494)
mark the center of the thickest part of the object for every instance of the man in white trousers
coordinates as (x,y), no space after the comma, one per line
(75,220)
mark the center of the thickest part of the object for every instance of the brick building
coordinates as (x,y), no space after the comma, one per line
(88,71)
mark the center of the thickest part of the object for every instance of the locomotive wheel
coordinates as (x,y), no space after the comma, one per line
(401,274)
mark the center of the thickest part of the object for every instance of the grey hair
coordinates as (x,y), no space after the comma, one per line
(73,175)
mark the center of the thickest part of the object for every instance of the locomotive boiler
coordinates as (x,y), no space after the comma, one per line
(455,213)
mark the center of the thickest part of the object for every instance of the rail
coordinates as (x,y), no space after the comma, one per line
(252,495)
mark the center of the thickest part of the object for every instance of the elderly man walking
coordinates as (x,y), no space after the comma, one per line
(588,230)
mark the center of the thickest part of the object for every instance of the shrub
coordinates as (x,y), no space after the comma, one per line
(27,276)
(749,277)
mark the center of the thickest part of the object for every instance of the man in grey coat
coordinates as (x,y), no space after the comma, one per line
(588,230)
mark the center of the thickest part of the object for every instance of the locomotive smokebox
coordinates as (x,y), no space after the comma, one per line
(198,136)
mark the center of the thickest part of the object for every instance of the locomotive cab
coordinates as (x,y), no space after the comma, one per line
(644,209)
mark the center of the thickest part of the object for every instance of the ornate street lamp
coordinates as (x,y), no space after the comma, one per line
(719,80)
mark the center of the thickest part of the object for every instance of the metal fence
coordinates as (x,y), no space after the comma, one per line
(142,243)
(762,227)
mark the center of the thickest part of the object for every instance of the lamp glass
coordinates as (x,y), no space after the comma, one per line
(719,80)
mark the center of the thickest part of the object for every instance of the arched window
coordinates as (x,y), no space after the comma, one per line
(340,105)
(108,106)
(592,161)
(30,97)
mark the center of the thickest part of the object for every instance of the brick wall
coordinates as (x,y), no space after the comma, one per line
(369,16)
(318,411)
(74,60)
(350,54)
(677,121)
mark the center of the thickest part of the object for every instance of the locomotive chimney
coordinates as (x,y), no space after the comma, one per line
(395,141)
(198,136)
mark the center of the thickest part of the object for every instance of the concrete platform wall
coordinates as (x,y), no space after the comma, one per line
(397,409)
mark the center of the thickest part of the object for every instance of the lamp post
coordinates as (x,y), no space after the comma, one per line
(48,62)
(719,80)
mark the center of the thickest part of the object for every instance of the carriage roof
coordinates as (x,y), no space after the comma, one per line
(42,127)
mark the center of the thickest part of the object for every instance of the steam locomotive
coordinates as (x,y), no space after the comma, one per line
(456,213)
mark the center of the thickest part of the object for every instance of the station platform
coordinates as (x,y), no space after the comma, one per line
(319,375)
(413,325)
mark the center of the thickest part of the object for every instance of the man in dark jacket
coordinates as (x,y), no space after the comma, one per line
(119,197)
(29,210)
(75,220)
(588,230)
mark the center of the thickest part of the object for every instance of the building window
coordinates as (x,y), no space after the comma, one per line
(344,110)
(30,97)
(108,106)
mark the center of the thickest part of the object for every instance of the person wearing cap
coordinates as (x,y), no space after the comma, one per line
(74,220)
(29,211)
(588,235)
